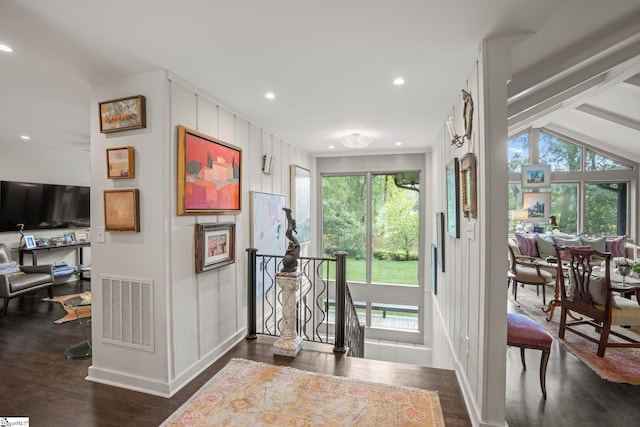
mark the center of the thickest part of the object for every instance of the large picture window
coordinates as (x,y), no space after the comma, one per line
(589,189)
(375,218)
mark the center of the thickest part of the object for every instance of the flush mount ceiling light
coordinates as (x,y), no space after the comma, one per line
(269,95)
(5,48)
(25,137)
(399,81)
(355,141)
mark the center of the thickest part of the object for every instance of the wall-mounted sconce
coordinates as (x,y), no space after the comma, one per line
(267,163)
(467,115)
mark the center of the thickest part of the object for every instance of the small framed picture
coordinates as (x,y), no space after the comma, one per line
(215,245)
(120,163)
(29,242)
(535,176)
(122,114)
(81,236)
(468,184)
(122,210)
(69,239)
(538,205)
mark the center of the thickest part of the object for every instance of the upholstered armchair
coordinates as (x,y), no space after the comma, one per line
(16,280)
(525,270)
(595,297)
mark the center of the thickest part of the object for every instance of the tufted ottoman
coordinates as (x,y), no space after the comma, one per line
(524,332)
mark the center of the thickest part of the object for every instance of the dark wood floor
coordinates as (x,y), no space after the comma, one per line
(576,396)
(37,381)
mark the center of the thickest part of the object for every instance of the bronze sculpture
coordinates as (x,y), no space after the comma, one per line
(290,260)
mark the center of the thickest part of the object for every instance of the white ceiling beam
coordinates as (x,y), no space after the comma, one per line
(634,80)
(576,57)
(610,116)
(572,90)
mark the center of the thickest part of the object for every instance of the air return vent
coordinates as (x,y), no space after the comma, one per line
(127,312)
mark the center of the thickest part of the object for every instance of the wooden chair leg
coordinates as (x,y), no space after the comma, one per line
(5,306)
(604,337)
(524,364)
(543,371)
(515,290)
(544,295)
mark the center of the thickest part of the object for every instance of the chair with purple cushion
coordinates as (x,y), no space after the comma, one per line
(524,332)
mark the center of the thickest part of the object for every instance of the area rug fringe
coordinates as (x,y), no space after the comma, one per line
(620,365)
(252,393)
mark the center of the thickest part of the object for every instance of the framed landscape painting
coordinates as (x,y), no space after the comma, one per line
(538,205)
(209,174)
(215,245)
(535,176)
(120,163)
(121,210)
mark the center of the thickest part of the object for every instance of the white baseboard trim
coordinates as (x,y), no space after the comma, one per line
(130,382)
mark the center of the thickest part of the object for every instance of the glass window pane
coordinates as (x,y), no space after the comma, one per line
(518,152)
(560,155)
(395,232)
(344,205)
(597,162)
(515,203)
(606,209)
(564,205)
(394,316)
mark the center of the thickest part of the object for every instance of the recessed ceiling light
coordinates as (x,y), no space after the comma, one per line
(331,147)
(399,81)
(5,48)
(398,143)
(269,95)
(25,137)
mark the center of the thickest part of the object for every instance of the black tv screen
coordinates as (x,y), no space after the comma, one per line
(43,206)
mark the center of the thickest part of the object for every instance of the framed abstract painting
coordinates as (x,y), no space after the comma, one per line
(122,114)
(209,174)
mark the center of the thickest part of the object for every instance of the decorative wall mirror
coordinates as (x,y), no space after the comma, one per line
(468,184)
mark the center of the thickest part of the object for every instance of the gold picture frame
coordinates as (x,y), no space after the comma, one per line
(468,185)
(123,114)
(209,175)
(121,163)
(122,210)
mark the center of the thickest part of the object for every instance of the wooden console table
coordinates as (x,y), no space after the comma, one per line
(78,247)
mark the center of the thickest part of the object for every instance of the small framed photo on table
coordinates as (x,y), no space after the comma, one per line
(29,242)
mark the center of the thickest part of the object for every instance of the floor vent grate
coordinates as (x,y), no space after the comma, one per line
(127,312)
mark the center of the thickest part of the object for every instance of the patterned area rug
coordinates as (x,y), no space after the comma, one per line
(618,365)
(82,312)
(247,393)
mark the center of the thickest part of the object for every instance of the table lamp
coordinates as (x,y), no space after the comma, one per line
(520,215)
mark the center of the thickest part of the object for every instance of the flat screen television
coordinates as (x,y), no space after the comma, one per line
(43,206)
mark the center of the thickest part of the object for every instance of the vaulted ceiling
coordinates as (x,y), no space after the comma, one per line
(330,65)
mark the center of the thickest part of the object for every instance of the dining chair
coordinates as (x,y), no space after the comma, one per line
(592,295)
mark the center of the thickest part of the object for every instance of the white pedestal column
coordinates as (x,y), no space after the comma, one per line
(289,344)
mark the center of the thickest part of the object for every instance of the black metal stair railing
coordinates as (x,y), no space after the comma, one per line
(316,294)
